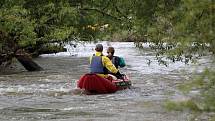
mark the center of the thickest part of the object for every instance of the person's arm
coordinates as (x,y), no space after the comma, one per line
(109,65)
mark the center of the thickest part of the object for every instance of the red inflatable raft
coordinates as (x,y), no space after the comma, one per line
(96,84)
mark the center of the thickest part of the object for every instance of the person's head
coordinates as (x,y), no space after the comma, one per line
(110,51)
(99,48)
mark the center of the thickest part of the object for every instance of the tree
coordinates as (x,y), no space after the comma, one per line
(39,27)
(183,30)
(180,30)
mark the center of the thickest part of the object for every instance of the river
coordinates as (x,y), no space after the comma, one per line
(46,95)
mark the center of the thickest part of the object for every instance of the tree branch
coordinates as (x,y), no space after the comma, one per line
(117,10)
(102,12)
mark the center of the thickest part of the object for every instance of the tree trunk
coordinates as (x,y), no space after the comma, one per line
(26,60)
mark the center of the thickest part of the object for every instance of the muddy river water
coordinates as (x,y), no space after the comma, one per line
(46,95)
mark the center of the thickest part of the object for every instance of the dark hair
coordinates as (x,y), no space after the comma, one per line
(111,50)
(99,47)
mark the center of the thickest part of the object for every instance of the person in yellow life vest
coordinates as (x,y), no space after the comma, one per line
(101,65)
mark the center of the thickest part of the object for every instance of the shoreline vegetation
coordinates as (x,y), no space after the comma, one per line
(178,30)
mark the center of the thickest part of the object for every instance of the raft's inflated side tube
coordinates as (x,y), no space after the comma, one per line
(96,84)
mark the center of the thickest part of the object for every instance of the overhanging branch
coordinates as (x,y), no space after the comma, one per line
(102,12)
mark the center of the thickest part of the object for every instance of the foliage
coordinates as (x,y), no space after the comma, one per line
(29,23)
(212,119)
(182,30)
(180,106)
(206,82)
(204,101)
